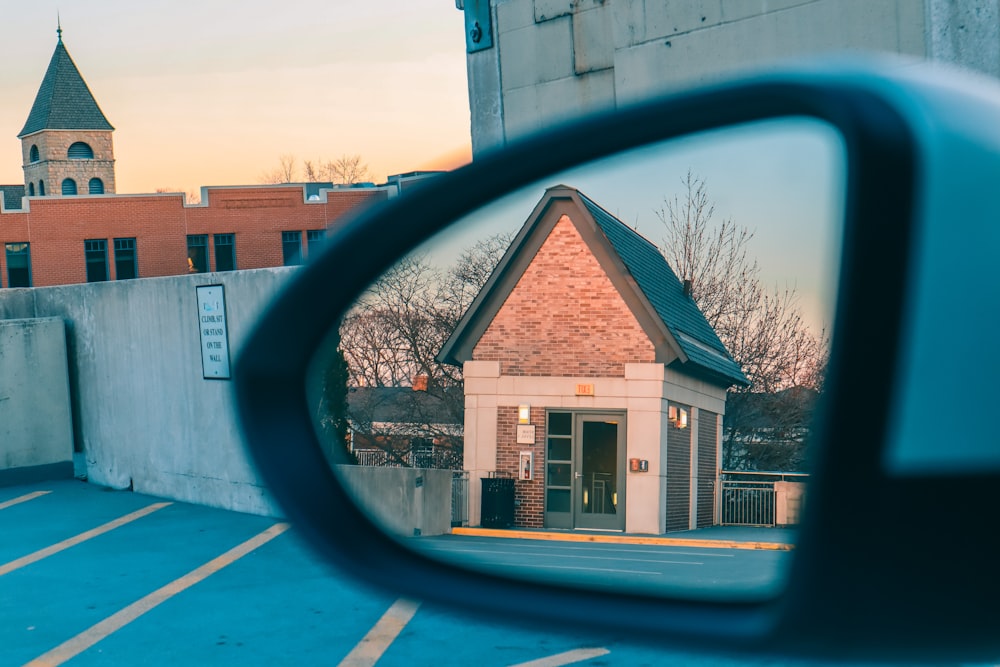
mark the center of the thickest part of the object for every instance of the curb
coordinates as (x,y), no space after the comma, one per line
(621,539)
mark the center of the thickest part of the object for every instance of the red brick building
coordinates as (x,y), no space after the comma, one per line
(65,224)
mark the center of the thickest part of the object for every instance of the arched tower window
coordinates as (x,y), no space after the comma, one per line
(80,151)
(69,187)
(31,189)
(33,153)
(41,188)
(96,186)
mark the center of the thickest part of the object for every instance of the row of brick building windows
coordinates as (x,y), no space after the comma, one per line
(224,246)
(95,252)
(291,245)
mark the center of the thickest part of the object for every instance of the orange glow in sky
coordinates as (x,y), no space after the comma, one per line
(214,93)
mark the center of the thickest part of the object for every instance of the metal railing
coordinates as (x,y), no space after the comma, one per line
(438,458)
(749,498)
(460,498)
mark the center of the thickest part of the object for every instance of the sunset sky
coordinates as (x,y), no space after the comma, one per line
(214,93)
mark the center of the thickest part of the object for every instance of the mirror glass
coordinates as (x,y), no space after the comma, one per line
(607,378)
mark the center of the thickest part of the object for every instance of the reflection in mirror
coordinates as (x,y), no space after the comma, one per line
(605,379)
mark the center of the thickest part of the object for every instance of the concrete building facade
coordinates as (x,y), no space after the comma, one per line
(539,62)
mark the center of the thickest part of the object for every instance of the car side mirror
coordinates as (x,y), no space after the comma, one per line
(890,561)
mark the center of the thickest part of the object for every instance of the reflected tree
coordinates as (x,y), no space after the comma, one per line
(766,424)
(403,404)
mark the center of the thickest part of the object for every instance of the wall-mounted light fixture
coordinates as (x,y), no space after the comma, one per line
(524,414)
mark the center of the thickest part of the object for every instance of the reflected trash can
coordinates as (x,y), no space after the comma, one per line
(497,506)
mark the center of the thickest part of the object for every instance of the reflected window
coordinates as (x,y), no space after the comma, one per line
(31,189)
(41,188)
(126,265)
(96,186)
(96,254)
(197,245)
(69,187)
(18,264)
(291,248)
(225,252)
(33,154)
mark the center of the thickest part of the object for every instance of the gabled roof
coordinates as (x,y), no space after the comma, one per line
(682,335)
(64,102)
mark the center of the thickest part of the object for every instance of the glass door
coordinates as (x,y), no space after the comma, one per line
(598,472)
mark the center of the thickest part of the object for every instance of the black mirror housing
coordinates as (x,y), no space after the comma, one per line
(890,562)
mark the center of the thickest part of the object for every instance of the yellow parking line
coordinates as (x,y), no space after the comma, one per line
(622,539)
(374,644)
(7,568)
(567,658)
(80,643)
(22,499)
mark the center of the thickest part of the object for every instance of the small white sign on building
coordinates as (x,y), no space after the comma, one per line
(214,332)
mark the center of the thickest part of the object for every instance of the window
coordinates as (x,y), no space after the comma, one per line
(18,265)
(96,186)
(33,153)
(126,266)
(225,252)
(291,248)
(41,188)
(96,253)
(314,239)
(80,151)
(31,189)
(197,253)
(69,187)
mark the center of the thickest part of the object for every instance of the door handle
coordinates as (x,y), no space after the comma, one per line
(578,475)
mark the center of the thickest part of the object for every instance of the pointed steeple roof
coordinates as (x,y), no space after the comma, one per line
(64,102)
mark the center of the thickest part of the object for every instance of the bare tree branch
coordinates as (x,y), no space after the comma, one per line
(763,330)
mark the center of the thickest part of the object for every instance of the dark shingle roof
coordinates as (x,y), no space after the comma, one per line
(64,102)
(695,336)
(402,405)
(11,196)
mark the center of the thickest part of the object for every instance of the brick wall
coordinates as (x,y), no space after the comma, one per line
(564,317)
(529,497)
(56,228)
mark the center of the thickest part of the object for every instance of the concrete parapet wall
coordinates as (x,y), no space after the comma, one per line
(789,497)
(405,501)
(143,415)
(36,435)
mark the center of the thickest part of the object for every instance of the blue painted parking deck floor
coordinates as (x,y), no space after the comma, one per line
(90,576)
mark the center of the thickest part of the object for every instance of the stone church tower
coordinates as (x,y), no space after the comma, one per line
(66,142)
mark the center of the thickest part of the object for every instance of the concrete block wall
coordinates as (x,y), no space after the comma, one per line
(36,434)
(556,59)
(144,416)
(409,502)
